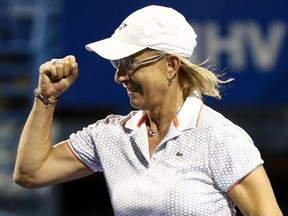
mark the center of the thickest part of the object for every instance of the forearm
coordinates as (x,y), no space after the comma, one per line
(36,163)
(35,142)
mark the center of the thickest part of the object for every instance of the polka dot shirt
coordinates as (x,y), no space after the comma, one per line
(202,156)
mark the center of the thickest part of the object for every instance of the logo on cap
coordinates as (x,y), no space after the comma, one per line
(123,25)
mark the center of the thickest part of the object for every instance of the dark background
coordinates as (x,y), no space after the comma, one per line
(245,39)
(257,100)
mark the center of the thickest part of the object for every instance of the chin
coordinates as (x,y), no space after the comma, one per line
(135,104)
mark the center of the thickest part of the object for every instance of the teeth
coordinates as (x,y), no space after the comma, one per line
(132,90)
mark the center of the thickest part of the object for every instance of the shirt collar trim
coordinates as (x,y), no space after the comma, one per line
(188,117)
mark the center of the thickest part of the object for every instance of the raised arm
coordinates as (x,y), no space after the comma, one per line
(38,162)
(254,195)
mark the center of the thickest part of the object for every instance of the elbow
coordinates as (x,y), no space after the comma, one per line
(24,181)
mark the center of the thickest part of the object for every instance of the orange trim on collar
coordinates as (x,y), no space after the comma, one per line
(198,118)
(144,118)
(175,121)
(141,120)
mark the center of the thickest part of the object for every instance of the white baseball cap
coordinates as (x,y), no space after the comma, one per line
(155,27)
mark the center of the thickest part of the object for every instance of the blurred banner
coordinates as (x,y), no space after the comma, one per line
(245,39)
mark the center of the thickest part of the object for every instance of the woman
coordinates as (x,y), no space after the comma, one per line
(175,155)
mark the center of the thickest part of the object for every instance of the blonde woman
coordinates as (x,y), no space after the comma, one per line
(173,155)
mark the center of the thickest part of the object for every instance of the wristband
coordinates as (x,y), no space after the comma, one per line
(46,101)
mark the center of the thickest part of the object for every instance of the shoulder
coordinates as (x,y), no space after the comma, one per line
(108,124)
(215,120)
(111,122)
(212,116)
(220,128)
(101,129)
(115,119)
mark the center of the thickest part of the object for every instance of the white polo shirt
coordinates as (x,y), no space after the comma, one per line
(202,156)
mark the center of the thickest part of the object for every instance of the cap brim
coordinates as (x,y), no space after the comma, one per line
(113,49)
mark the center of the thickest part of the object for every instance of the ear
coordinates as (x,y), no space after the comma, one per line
(173,65)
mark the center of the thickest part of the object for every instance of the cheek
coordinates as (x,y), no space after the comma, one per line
(155,87)
(153,81)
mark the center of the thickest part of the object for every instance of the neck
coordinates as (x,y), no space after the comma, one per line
(162,124)
(161,115)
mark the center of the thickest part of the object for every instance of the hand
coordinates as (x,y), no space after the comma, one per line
(56,76)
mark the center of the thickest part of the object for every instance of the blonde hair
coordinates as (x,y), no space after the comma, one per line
(198,80)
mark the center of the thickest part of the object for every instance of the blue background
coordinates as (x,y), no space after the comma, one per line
(90,21)
(249,31)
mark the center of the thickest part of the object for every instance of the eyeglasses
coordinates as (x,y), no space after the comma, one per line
(130,66)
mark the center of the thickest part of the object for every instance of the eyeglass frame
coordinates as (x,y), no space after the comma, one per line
(136,64)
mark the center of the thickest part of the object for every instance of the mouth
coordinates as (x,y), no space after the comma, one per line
(131,90)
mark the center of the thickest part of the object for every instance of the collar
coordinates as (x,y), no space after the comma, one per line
(187,118)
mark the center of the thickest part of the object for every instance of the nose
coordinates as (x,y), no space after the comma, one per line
(121,75)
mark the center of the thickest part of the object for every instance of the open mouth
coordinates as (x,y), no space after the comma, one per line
(131,90)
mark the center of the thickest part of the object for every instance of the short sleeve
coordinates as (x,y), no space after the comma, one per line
(83,146)
(233,156)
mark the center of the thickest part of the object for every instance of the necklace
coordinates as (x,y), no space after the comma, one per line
(152,133)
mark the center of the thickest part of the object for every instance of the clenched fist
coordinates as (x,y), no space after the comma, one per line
(56,76)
